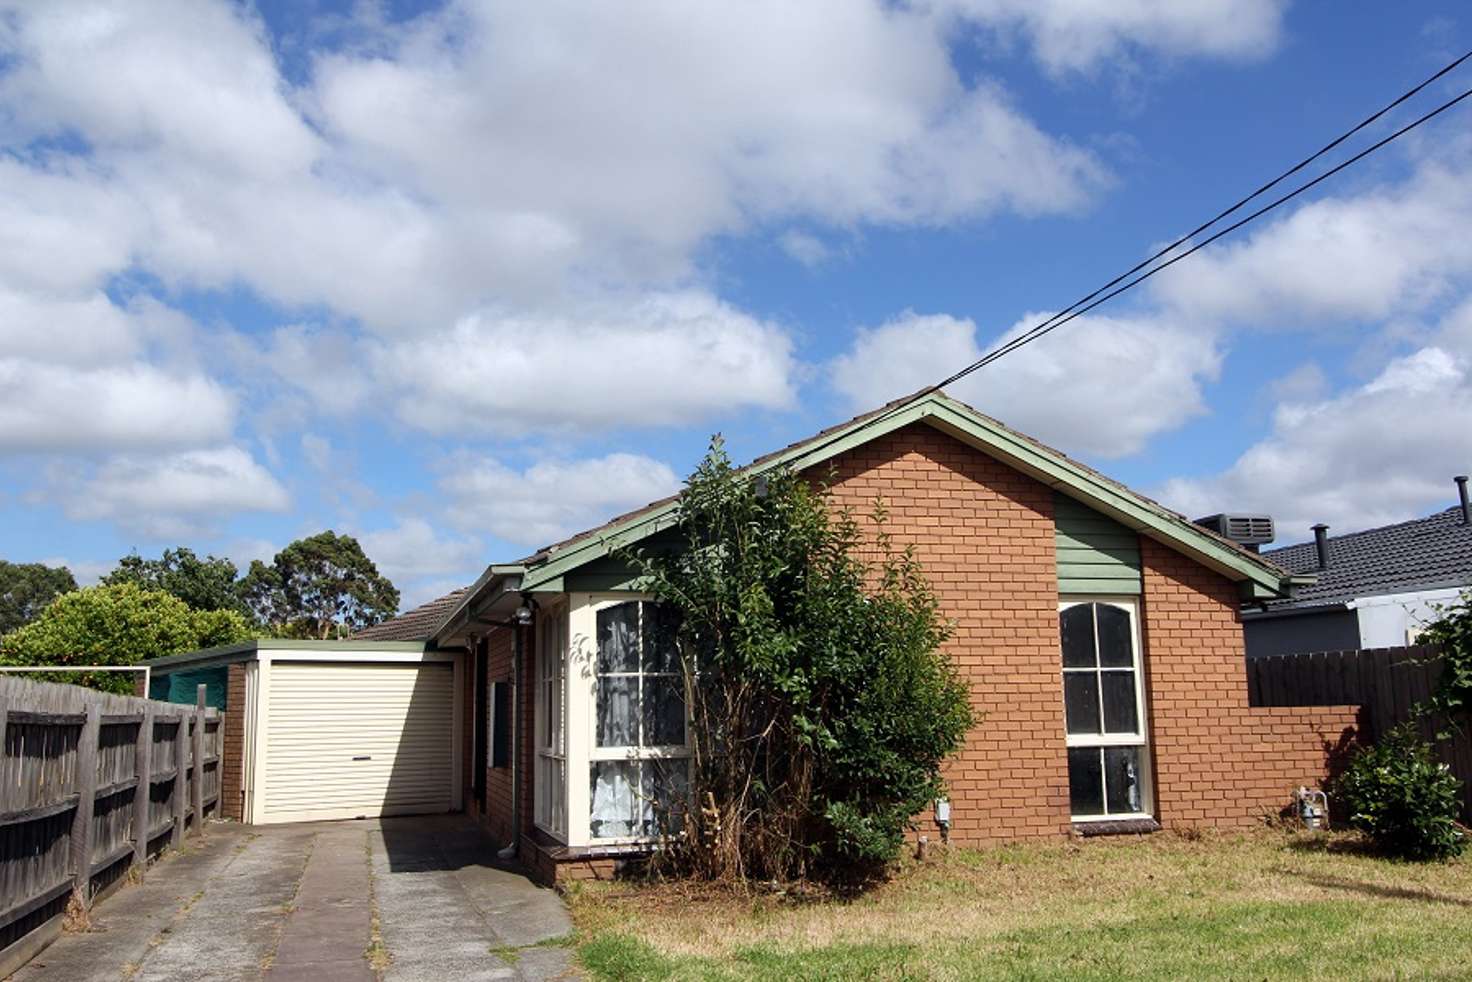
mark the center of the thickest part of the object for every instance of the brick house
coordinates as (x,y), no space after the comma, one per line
(1098,632)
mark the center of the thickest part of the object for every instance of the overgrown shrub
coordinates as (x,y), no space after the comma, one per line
(1398,794)
(1452,633)
(820,705)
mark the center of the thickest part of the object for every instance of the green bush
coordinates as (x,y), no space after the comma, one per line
(1402,798)
(118,624)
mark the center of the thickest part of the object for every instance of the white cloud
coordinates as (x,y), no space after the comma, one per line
(1356,257)
(457,162)
(551,499)
(664,359)
(806,248)
(54,408)
(1098,385)
(413,550)
(1377,453)
(173,495)
(1072,35)
(85,571)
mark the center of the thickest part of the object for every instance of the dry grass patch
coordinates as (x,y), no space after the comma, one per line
(1237,904)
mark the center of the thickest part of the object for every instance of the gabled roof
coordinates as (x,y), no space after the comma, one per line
(418,624)
(1258,577)
(1424,553)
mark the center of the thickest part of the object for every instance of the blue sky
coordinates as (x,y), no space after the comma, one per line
(462,278)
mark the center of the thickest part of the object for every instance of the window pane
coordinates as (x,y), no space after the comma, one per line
(664,711)
(1076,626)
(618,705)
(1122,768)
(615,810)
(669,787)
(660,625)
(1116,640)
(1081,701)
(1120,712)
(618,638)
(1085,781)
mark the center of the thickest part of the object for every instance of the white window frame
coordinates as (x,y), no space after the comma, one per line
(1140,738)
(581,714)
(550,810)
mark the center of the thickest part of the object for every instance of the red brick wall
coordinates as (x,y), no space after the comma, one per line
(984,534)
(500,649)
(232,763)
(1218,761)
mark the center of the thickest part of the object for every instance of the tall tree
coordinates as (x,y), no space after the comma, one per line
(118,624)
(319,587)
(26,589)
(203,584)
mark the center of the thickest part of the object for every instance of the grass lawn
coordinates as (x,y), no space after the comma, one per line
(1252,906)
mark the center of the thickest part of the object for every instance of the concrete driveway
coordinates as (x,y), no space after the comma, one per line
(393,899)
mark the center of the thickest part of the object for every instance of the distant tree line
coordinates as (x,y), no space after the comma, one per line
(320,587)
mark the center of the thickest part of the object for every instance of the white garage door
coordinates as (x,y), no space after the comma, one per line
(350,740)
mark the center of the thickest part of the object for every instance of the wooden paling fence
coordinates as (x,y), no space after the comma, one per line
(1386,683)
(91,786)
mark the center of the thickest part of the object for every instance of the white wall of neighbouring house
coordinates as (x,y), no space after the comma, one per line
(1396,619)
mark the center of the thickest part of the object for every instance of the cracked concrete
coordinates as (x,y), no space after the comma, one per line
(297,902)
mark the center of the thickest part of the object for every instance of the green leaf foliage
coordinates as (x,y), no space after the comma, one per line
(26,589)
(1452,633)
(203,584)
(319,587)
(820,704)
(117,624)
(1398,794)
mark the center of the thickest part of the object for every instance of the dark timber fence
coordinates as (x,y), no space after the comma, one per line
(91,785)
(1386,683)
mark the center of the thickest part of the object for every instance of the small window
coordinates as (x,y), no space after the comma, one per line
(500,724)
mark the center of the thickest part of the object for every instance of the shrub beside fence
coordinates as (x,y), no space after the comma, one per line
(91,785)
(1386,683)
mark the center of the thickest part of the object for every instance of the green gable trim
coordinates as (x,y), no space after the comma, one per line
(1096,554)
(1059,472)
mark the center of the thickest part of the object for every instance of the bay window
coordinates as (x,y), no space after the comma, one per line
(611,742)
(1104,709)
(639,757)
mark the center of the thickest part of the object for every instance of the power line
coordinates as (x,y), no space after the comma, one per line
(1123,281)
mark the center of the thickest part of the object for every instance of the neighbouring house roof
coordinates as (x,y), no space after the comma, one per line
(1424,553)
(413,625)
(1257,576)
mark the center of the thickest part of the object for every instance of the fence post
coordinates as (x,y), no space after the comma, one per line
(5,784)
(198,754)
(143,793)
(176,800)
(86,802)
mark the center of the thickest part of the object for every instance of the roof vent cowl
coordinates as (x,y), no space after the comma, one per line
(1321,544)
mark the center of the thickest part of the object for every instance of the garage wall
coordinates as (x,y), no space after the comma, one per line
(349,733)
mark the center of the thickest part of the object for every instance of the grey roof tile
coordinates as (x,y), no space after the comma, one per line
(413,625)
(1424,552)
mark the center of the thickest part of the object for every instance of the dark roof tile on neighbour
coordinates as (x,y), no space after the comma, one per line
(413,625)
(1435,551)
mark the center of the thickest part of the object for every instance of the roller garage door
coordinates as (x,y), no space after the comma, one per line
(358,739)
